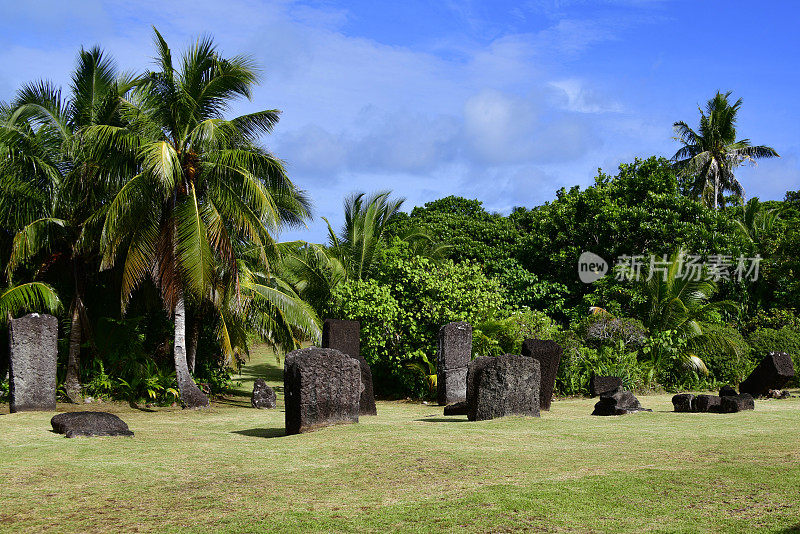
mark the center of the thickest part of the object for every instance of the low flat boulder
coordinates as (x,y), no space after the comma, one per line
(727,391)
(620,402)
(263,396)
(737,403)
(457,408)
(599,385)
(707,403)
(774,372)
(89,424)
(682,402)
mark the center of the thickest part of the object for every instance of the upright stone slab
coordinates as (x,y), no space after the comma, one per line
(322,387)
(455,353)
(599,385)
(773,372)
(501,386)
(263,396)
(548,354)
(345,336)
(33,355)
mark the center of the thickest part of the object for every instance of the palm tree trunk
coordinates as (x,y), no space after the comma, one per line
(716,193)
(191,343)
(191,396)
(72,381)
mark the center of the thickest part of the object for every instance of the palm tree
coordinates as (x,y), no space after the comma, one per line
(50,186)
(27,297)
(711,154)
(756,222)
(676,310)
(363,233)
(204,188)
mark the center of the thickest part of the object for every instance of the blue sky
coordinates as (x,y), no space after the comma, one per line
(501,101)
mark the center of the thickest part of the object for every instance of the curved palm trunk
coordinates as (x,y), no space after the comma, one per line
(191,396)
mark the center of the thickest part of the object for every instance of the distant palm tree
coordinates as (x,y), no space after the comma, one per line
(51,187)
(711,154)
(205,188)
(677,307)
(756,222)
(33,296)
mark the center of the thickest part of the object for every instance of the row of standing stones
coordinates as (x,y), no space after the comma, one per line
(332,384)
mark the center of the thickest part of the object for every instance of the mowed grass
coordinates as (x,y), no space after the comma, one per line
(410,469)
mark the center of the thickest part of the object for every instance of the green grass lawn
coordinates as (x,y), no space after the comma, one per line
(410,469)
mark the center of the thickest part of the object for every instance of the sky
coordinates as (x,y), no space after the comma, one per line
(503,101)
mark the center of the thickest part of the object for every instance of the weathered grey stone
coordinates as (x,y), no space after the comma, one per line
(774,371)
(706,403)
(459,408)
(322,388)
(89,424)
(501,386)
(778,394)
(737,403)
(599,385)
(455,352)
(683,402)
(345,336)
(727,391)
(33,355)
(620,402)
(263,395)
(548,354)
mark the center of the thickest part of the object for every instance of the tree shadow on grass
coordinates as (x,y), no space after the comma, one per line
(261,432)
(791,530)
(239,403)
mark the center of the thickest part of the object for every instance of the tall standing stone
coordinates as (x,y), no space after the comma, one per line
(322,387)
(773,372)
(455,353)
(345,336)
(502,385)
(33,355)
(548,354)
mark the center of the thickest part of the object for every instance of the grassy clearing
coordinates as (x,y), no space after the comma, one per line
(231,468)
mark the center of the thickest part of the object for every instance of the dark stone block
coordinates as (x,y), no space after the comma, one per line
(455,353)
(737,403)
(33,354)
(263,395)
(89,424)
(345,336)
(774,371)
(599,385)
(707,403)
(459,408)
(501,386)
(548,354)
(683,402)
(727,391)
(778,394)
(322,388)
(620,402)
